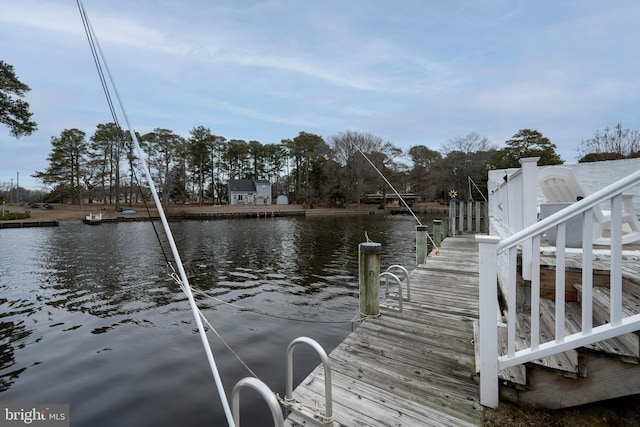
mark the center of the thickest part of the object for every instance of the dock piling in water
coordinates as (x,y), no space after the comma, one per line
(422,244)
(369,278)
(437,232)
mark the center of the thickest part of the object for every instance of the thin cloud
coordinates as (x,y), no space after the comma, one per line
(411,72)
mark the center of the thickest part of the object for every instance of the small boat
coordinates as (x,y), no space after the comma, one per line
(93,219)
(128,212)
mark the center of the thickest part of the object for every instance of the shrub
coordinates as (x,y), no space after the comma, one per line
(14,215)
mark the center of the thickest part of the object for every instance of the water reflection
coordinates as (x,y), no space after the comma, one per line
(89,317)
(104,271)
(11,334)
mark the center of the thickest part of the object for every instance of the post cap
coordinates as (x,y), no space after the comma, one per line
(370,248)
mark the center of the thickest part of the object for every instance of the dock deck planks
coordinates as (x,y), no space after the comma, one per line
(414,368)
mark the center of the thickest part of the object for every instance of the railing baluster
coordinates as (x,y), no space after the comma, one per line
(587,271)
(616,260)
(535,292)
(511,302)
(560,280)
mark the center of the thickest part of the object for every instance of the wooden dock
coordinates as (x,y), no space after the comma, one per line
(415,367)
(28,224)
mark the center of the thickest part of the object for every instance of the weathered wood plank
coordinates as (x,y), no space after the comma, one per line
(626,345)
(414,367)
(565,363)
(440,343)
(607,379)
(458,331)
(416,359)
(370,399)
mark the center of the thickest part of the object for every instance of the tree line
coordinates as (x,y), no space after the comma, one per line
(343,169)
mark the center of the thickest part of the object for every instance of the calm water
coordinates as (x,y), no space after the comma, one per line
(89,317)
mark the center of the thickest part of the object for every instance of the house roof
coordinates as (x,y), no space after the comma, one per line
(245,184)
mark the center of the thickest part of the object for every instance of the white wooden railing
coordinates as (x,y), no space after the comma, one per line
(498,261)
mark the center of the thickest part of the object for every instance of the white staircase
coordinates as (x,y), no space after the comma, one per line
(546,348)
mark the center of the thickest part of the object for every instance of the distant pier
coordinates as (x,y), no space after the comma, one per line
(27,224)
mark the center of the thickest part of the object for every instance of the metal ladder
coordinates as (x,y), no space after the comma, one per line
(387,274)
(312,415)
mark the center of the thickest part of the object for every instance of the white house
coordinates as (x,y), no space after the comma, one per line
(249,192)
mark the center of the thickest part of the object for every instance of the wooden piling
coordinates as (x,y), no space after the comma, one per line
(452,217)
(369,278)
(422,244)
(437,232)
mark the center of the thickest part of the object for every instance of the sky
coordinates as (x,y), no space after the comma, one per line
(412,72)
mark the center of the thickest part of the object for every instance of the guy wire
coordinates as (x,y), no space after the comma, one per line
(392,188)
(123,143)
(174,249)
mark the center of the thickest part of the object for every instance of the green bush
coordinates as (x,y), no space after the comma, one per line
(14,215)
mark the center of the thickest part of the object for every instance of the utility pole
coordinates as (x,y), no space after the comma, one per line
(18,187)
(11,191)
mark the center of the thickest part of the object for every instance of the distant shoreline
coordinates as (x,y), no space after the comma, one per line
(75,212)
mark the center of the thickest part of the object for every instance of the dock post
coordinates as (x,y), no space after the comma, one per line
(369,278)
(437,232)
(452,217)
(422,244)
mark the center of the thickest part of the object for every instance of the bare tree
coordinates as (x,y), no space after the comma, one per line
(611,144)
(469,143)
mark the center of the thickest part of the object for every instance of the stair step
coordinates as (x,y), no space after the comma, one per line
(626,346)
(601,296)
(565,363)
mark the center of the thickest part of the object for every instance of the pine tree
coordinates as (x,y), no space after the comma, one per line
(14,112)
(526,143)
(67,165)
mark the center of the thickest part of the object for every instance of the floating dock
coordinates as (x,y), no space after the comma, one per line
(415,367)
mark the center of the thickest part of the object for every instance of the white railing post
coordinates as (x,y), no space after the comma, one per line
(488,320)
(501,209)
(514,205)
(529,209)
